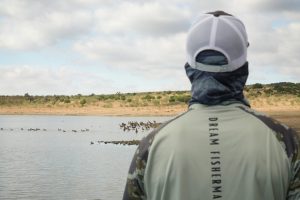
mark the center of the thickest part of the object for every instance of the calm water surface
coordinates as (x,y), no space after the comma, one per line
(59,162)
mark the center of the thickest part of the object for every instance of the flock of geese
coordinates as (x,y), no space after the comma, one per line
(129,126)
(136,126)
(44,129)
(122,142)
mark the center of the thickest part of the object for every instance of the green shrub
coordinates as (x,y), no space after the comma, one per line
(184,98)
(268,92)
(180,92)
(82,102)
(257,86)
(148,97)
(172,99)
(101,97)
(28,97)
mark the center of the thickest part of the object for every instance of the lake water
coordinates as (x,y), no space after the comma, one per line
(56,160)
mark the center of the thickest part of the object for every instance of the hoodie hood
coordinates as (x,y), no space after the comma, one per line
(212,88)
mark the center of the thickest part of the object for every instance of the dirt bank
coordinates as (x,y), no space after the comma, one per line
(288,115)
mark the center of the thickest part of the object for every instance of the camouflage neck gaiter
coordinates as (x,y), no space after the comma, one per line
(214,88)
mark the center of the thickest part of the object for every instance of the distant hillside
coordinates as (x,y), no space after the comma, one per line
(260,95)
(283,88)
(275,96)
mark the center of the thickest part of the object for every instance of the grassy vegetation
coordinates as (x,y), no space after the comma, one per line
(106,100)
(275,94)
(269,94)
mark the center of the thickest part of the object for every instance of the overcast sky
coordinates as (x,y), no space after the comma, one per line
(108,46)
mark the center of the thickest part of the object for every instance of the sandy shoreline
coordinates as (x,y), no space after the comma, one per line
(285,114)
(96,110)
(123,111)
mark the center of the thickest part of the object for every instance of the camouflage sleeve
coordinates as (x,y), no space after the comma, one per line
(294,187)
(134,189)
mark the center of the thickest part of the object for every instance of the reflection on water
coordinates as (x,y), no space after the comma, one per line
(47,163)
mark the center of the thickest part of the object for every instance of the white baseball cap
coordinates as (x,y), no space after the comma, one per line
(221,32)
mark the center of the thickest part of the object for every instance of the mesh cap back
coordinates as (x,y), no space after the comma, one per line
(222,33)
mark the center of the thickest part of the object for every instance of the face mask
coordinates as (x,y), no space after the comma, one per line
(214,88)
